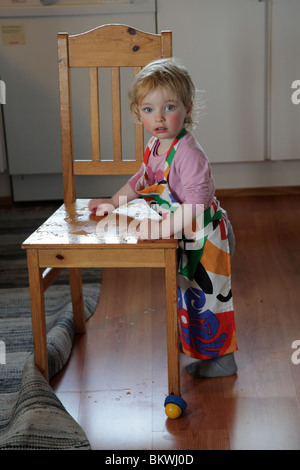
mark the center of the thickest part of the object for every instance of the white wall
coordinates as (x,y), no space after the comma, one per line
(181,16)
(225,45)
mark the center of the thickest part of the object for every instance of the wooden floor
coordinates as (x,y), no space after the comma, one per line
(116,380)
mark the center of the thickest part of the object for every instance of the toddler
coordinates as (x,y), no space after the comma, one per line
(175,178)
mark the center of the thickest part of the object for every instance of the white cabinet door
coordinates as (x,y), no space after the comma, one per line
(285,115)
(29,69)
(222,44)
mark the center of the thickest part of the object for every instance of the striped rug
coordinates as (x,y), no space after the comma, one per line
(16,224)
(31,416)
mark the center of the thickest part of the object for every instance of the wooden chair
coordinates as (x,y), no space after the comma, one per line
(68,238)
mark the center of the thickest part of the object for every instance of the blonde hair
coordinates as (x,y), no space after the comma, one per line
(164,73)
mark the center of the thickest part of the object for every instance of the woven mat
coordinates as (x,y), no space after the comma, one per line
(31,416)
(16,225)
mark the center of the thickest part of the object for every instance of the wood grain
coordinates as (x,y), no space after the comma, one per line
(116,380)
(38,312)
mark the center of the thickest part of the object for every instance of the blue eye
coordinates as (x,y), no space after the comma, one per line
(170,107)
(147,109)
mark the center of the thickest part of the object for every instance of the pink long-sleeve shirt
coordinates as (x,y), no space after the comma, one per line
(190,180)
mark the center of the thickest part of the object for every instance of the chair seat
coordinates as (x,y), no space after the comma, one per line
(73,237)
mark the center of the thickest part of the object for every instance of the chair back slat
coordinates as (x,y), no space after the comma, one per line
(139,131)
(94,109)
(116,113)
(108,46)
(139,143)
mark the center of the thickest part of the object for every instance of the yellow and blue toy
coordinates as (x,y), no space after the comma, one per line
(174,406)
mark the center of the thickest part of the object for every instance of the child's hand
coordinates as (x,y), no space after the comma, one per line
(149,230)
(101,207)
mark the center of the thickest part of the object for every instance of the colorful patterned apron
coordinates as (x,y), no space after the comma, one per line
(205,306)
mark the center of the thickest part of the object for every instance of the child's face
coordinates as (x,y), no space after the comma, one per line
(163,115)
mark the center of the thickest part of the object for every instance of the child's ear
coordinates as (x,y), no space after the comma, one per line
(189,109)
(137,115)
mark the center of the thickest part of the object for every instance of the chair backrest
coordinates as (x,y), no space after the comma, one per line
(114,46)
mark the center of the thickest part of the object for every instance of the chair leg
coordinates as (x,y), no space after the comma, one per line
(77,299)
(38,313)
(172,321)
(174,404)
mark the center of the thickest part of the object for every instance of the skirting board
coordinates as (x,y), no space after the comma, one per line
(267,191)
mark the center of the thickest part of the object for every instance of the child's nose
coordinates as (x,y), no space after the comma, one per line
(159,116)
